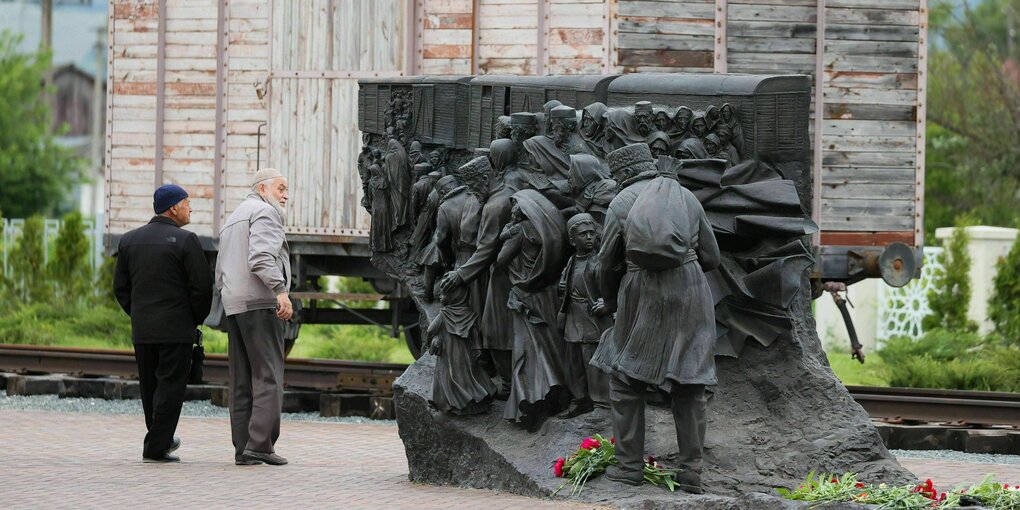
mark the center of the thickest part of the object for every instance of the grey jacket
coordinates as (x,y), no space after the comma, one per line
(253,265)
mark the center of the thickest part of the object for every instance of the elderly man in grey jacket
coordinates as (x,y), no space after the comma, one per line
(253,276)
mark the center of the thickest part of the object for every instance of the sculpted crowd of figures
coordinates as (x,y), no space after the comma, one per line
(591,258)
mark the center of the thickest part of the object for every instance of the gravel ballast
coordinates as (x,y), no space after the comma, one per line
(201,409)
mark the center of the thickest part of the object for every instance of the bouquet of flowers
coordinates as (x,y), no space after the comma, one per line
(832,488)
(593,457)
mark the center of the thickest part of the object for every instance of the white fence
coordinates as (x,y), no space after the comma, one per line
(902,309)
(12,230)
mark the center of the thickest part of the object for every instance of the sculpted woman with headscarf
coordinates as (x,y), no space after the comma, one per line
(591,187)
(398,172)
(593,128)
(381,238)
(534,251)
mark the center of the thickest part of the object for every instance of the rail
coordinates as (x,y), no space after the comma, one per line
(320,374)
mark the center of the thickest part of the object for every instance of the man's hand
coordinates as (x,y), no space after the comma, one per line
(284,309)
(450,282)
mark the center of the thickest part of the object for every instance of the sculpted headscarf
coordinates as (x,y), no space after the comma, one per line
(588,180)
(552,231)
(596,144)
(692,148)
(503,154)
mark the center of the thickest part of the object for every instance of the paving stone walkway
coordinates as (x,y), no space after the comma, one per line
(57,460)
(71,460)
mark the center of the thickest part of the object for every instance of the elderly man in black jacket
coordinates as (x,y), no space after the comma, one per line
(164,283)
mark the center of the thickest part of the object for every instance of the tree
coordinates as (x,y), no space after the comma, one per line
(27,281)
(1004,305)
(35,172)
(972,155)
(950,297)
(69,268)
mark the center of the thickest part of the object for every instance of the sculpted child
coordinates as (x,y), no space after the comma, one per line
(583,317)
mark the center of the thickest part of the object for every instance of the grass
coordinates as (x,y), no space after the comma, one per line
(874,371)
(106,327)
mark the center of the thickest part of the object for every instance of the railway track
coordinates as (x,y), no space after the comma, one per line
(318,374)
(908,404)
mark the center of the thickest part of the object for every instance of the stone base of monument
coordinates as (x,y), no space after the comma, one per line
(777,413)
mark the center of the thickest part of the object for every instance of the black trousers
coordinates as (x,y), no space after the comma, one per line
(688,403)
(163,376)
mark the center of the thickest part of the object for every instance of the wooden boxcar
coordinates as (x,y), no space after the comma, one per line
(193,84)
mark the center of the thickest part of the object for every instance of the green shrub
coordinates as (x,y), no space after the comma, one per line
(69,270)
(958,374)
(104,282)
(28,281)
(48,324)
(364,343)
(938,344)
(1004,305)
(950,297)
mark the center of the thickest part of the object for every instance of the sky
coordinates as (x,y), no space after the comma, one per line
(74,30)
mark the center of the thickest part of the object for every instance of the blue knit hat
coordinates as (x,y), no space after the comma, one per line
(167,196)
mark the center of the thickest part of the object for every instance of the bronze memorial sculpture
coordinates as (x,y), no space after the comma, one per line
(581,246)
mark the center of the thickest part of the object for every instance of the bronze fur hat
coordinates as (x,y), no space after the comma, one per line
(478,168)
(635,157)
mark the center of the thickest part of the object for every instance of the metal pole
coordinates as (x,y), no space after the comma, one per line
(97,124)
(46,44)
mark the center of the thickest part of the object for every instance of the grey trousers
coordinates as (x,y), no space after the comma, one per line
(255,352)
(627,403)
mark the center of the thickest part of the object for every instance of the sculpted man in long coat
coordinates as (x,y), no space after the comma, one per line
(496,324)
(664,337)
(398,173)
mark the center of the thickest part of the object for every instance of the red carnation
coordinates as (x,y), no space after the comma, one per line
(590,444)
(859,485)
(612,440)
(558,467)
(651,460)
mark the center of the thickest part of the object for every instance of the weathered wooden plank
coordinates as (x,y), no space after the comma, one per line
(873,48)
(666,42)
(667,9)
(858,223)
(770,45)
(868,175)
(853,207)
(781,13)
(867,191)
(660,26)
(875,4)
(669,58)
(849,143)
(869,96)
(869,63)
(872,17)
(849,79)
(854,158)
(847,32)
(869,111)
(869,127)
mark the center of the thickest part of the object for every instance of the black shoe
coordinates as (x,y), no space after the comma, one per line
(246,461)
(616,474)
(269,458)
(164,459)
(690,482)
(578,408)
(503,393)
(176,444)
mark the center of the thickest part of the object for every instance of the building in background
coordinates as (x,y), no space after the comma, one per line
(79,54)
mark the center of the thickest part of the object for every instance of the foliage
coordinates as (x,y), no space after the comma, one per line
(949,298)
(104,282)
(830,488)
(1004,305)
(852,373)
(69,325)
(69,267)
(360,343)
(972,158)
(28,282)
(952,360)
(37,173)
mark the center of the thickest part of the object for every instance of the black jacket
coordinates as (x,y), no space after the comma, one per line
(163,282)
